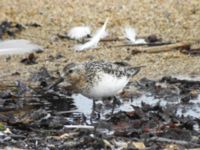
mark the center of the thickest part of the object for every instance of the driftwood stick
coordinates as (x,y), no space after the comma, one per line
(66,112)
(79,127)
(180,142)
(164,48)
(108,39)
(112,39)
(156,47)
(145,44)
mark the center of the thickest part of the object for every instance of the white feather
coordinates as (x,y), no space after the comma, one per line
(130,34)
(109,85)
(140,41)
(79,32)
(18,46)
(94,40)
(103,35)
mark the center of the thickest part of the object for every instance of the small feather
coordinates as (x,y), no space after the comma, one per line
(140,41)
(18,46)
(130,34)
(94,40)
(104,34)
(79,32)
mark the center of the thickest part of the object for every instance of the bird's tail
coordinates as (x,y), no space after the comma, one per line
(134,70)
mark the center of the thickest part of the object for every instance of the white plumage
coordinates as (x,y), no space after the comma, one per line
(19,46)
(130,34)
(94,40)
(79,32)
(108,85)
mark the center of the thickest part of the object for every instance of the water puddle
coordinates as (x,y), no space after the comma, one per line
(192,109)
(83,104)
(189,109)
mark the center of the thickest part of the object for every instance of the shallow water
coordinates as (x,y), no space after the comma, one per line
(190,109)
(83,104)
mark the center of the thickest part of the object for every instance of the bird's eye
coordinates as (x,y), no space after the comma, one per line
(70,71)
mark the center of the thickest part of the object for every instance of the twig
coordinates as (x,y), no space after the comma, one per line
(66,112)
(14,136)
(164,48)
(79,127)
(112,39)
(180,142)
(195,51)
(145,44)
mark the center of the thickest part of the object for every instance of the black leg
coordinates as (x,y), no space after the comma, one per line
(93,111)
(94,106)
(114,104)
(84,119)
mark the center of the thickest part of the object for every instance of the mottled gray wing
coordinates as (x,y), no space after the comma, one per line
(118,68)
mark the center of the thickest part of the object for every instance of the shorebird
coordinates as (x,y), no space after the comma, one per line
(98,79)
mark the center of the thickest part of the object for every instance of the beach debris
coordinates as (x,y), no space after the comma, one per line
(164,48)
(30,60)
(55,120)
(130,34)
(9,28)
(153,39)
(79,32)
(18,46)
(193,49)
(94,40)
(79,127)
(34,24)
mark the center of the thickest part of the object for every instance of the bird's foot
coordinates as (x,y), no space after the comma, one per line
(115,102)
(95,116)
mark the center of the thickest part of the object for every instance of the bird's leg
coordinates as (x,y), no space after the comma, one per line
(94,114)
(114,105)
(84,119)
(93,107)
(93,111)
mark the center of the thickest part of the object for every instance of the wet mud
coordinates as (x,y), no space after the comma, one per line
(152,113)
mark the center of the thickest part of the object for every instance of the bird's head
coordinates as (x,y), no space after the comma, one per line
(71,74)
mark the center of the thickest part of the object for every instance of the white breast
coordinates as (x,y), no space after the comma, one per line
(108,85)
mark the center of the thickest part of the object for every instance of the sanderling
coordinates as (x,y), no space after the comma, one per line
(98,79)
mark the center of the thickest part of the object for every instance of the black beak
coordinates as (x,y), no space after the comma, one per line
(61,79)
